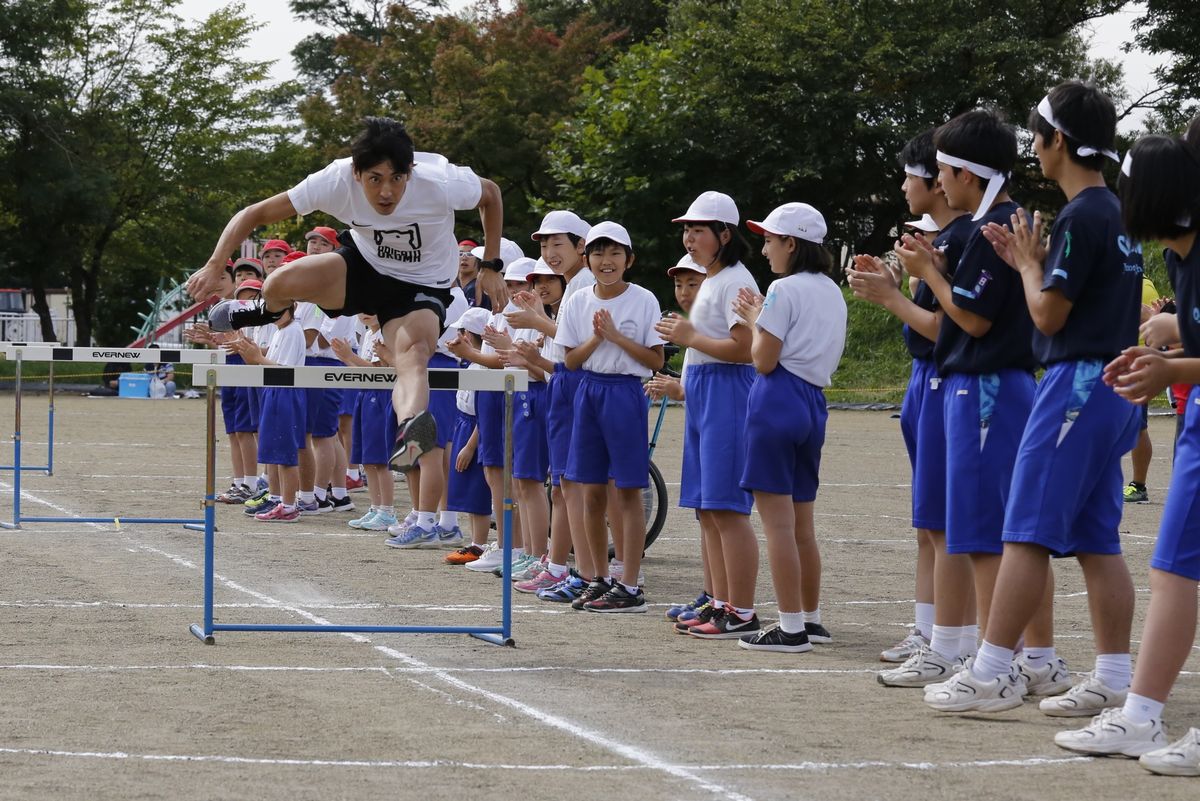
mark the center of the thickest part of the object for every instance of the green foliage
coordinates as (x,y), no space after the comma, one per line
(1172,28)
(876,363)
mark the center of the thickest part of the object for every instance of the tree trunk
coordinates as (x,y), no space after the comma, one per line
(37,282)
(83,311)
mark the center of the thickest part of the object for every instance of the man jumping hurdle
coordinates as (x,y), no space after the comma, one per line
(397,261)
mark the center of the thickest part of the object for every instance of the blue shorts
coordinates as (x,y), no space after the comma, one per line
(985,418)
(322,404)
(374,427)
(235,405)
(489,416)
(466,491)
(254,399)
(531,455)
(442,402)
(610,439)
(923,424)
(281,432)
(1066,486)
(714,447)
(560,417)
(785,430)
(349,402)
(1178,548)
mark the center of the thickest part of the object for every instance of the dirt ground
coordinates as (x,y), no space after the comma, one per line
(105,694)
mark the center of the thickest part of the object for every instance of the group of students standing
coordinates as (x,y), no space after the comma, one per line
(1009,473)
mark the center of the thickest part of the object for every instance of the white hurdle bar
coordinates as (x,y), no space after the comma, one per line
(48,467)
(507,381)
(46,352)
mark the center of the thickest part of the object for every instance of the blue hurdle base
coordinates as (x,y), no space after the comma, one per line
(199,634)
(166,520)
(491,634)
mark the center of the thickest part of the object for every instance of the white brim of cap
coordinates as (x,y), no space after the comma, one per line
(687,269)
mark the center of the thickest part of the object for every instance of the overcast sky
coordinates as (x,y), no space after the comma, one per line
(281,32)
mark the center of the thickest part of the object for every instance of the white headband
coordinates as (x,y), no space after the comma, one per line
(1127,164)
(995,180)
(918,170)
(1047,113)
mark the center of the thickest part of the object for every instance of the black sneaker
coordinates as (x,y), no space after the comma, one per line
(324,505)
(340,504)
(595,589)
(230,315)
(704,614)
(777,639)
(727,626)
(618,599)
(817,633)
(417,436)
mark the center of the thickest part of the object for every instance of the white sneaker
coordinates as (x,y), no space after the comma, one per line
(490,560)
(923,668)
(1112,733)
(1180,758)
(1087,698)
(903,650)
(965,693)
(1052,678)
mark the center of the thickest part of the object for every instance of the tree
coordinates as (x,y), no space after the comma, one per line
(1172,27)
(638,20)
(134,115)
(776,100)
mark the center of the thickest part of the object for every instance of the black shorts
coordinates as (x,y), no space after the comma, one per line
(370,292)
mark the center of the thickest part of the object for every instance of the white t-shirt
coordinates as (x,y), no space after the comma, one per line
(582,280)
(806,311)
(464,399)
(414,243)
(287,345)
(343,327)
(458,305)
(634,312)
(712,312)
(367,349)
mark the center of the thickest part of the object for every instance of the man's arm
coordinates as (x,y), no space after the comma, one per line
(203,283)
(491,217)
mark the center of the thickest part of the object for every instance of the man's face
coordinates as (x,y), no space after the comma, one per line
(383,186)
(318,244)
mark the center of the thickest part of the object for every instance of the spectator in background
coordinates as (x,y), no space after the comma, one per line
(321,239)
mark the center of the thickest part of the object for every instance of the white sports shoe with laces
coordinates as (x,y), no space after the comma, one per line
(1111,733)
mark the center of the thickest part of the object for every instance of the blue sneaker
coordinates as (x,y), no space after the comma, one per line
(308,507)
(678,609)
(266,506)
(359,522)
(382,521)
(414,537)
(565,591)
(450,537)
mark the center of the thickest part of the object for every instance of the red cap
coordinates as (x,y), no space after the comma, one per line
(468,243)
(276,244)
(324,232)
(293,256)
(249,283)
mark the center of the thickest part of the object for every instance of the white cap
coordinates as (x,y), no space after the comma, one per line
(540,268)
(477,252)
(474,320)
(561,222)
(510,251)
(518,269)
(711,207)
(793,219)
(926,224)
(686,262)
(609,230)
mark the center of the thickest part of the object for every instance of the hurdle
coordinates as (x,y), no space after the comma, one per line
(48,467)
(20,353)
(440,379)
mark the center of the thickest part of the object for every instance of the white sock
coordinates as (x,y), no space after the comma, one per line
(320,493)
(924,613)
(631,590)
(991,662)
(339,493)
(1115,670)
(241,481)
(352,474)
(449,520)
(425,520)
(276,498)
(718,604)
(1141,710)
(945,641)
(387,510)
(969,643)
(558,571)
(744,614)
(1037,657)
(305,497)
(791,622)
(813,616)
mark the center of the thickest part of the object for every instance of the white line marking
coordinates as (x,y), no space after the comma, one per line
(690,770)
(420,670)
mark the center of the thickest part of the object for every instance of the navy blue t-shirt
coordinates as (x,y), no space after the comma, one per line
(950,241)
(986,285)
(1185,278)
(1098,269)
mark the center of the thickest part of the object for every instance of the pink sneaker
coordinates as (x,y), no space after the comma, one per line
(355,484)
(280,514)
(541,581)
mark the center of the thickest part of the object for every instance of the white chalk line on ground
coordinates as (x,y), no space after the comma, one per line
(427,670)
(806,767)
(630,752)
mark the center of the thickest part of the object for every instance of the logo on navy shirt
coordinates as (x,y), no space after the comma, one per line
(1132,252)
(399,244)
(985,278)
